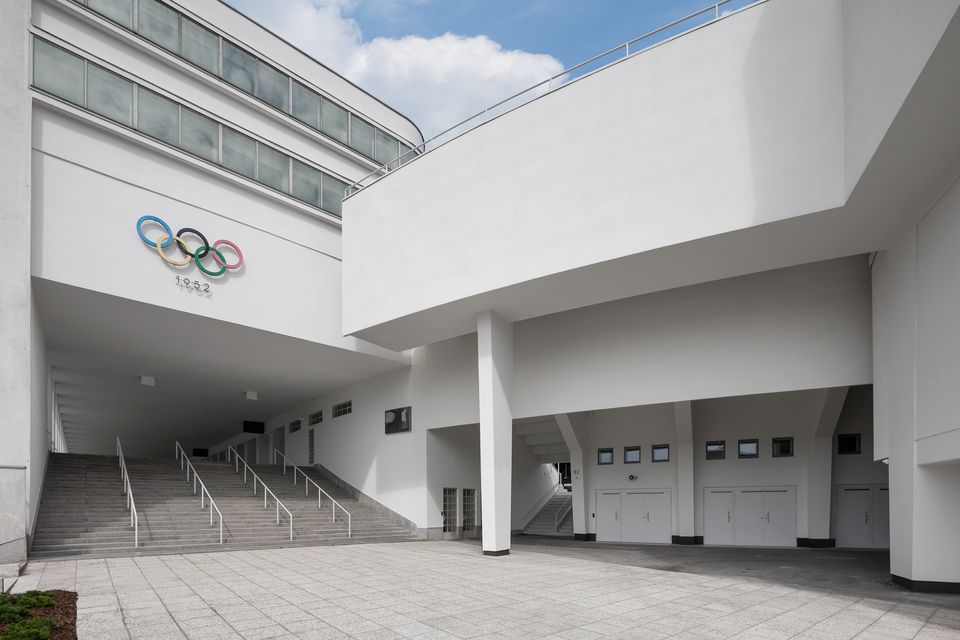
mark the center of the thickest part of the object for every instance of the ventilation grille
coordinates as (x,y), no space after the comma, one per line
(295,426)
(343,408)
(315,418)
(310,441)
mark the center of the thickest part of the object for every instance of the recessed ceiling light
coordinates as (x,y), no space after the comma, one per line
(148,381)
(251,395)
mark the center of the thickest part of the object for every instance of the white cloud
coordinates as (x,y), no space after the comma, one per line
(435,81)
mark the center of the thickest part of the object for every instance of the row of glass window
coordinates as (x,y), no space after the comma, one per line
(631,455)
(184,37)
(90,86)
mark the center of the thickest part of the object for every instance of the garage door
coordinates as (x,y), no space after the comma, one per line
(634,515)
(750,516)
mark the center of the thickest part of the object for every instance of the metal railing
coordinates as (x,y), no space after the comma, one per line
(320,492)
(128,491)
(562,513)
(256,479)
(554,82)
(179,453)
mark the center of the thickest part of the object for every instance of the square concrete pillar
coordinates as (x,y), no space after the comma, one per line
(683,425)
(495,365)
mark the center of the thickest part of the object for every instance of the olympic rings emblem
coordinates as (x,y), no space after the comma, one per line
(197,254)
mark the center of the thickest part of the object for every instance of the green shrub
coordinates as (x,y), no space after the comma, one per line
(34,600)
(10,612)
(33,629)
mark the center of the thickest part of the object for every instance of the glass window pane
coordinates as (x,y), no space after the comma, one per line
(306,183)
(604,456)
(157,116)
(631,455)
(199,135)
(200,46)
(333,121)
(109,95)
(160,24)
(660,453)
(333,191)
(120,11)
(239,67)
(306,105)
(58,72)
(272,167)
(406,154)
(239,153)
(386,149)
(361,136)
(273,86)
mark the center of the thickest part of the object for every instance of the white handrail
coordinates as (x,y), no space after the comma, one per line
(562,514)
(256,479)
(539,89)
(128,491)
(320,491)
(179,453)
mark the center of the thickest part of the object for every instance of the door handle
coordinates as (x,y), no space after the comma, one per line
(866,517)
(647,517)
(616,516)
(728,516)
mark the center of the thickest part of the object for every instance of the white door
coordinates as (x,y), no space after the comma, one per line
(881,518)
(632,517)
(854,506)
(657,516)
(749,517)
(718,516)
(780,515)
(608,516)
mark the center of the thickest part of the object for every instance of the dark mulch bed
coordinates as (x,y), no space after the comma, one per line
(63,614)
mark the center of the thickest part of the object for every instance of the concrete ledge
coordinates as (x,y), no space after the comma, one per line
(502,552)
(926,586)
(585,537)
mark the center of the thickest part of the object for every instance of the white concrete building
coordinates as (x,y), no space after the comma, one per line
(716,277)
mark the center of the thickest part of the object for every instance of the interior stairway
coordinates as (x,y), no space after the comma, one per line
(83,510)
(544,523)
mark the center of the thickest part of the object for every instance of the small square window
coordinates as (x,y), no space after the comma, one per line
(604,456)
(848,443)
(660,453)
(783,447)
(295,426)
(631,455)
(748,448)
(716,450)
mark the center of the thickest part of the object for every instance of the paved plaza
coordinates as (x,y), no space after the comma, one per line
(435,590)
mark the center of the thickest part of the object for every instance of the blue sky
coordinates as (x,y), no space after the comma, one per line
(439,61)
(569,30)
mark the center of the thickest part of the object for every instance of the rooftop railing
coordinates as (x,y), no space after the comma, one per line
(680,27)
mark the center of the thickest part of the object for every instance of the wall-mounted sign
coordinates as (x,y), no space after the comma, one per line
(197,254)
(397,420)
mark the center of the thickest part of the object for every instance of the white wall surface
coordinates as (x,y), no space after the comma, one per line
(857,417)
(452,460)
(90,186)
(532,485)
(763,417)
(885,44)
(731,337)
(735,125)
(619,428)
(39,416)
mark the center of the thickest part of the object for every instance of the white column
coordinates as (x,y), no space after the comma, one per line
(683,424)
(495,365)
(569,425)
(15,294)
(820,467)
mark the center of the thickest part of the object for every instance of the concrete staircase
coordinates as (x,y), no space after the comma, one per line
(83,511)
(543,523)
